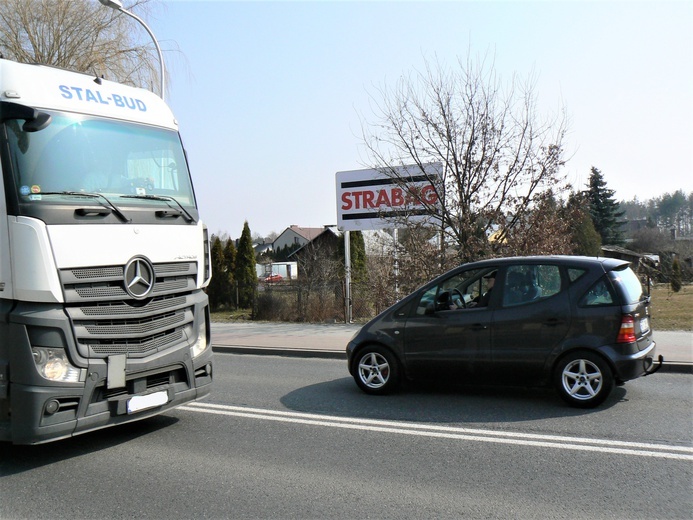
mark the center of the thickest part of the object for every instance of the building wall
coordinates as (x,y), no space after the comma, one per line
(288,238)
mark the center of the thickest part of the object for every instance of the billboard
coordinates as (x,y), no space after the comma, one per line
(373,199)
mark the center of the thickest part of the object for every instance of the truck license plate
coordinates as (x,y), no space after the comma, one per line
(143,402)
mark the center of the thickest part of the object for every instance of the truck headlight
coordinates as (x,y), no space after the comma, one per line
(200,344)
(52,364)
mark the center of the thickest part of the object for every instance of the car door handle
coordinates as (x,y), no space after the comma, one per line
(479,326)
(552,322)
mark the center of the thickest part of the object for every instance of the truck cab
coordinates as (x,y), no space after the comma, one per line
(103,257)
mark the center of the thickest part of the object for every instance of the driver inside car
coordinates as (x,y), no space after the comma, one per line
(482,300)
(453,299)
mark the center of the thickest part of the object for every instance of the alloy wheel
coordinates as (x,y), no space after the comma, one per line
(582,379)
(374,370)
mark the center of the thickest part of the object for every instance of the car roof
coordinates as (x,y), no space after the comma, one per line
(589,263)
(577,261)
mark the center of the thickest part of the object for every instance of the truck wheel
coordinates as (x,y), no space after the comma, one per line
(583,379)
(375,370)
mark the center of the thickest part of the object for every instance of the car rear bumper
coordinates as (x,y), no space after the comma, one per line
(631,366)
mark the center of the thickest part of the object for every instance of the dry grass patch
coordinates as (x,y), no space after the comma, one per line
(235,315)
(671,310)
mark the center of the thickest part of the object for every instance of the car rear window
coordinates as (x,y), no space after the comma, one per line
(629,284)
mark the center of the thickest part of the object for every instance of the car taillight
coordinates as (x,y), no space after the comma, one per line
(627,332)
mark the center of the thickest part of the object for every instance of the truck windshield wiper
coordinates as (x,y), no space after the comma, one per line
(90,195)
(164,198)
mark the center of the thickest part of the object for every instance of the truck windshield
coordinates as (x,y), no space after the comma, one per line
(78,153)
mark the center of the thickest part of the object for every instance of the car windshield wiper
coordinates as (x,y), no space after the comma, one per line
(163,198)
(90,195)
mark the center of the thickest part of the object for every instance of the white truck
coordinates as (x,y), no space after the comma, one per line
(103,257)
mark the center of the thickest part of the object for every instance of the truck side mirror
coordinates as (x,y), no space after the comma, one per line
(41,121)
(34,120)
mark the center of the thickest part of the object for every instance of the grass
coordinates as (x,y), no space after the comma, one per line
(670,310)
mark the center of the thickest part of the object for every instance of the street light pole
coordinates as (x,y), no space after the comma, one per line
(118,6)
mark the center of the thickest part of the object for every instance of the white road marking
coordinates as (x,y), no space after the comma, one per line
(451,432)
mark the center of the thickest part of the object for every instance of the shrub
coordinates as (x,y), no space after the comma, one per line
(675,275)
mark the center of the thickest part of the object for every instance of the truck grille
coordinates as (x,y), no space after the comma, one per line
(107,321)
(106,283)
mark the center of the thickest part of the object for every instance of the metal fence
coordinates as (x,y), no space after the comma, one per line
(304,302)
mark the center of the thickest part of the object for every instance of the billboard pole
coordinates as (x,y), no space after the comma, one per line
(395,239)
(347,284)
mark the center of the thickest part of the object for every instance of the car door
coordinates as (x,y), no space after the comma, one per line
(444,341)
(532,318)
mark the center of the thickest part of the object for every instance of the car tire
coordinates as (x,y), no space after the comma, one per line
(583,379)
(376,370)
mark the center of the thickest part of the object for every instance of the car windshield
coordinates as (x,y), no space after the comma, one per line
(77,153)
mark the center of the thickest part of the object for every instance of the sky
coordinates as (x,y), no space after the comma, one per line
(271,96)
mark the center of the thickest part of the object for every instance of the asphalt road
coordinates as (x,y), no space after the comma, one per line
(284,437)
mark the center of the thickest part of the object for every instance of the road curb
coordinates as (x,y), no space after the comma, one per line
(679,368)
(280,351)
(670,367)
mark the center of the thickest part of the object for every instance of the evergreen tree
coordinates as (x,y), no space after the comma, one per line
(282,255)
(245,273)
(230,267)
(604,210)
(215,289)
(586,240)
(671,208)
(230,258)
(584,237)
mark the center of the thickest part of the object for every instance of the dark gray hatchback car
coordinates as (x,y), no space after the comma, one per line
(580,324)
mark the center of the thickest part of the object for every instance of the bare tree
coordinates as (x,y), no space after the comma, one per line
(318,263)
(380,287)
(319,268)
(497,156)
(80,35)
(543,230)
(415,256)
